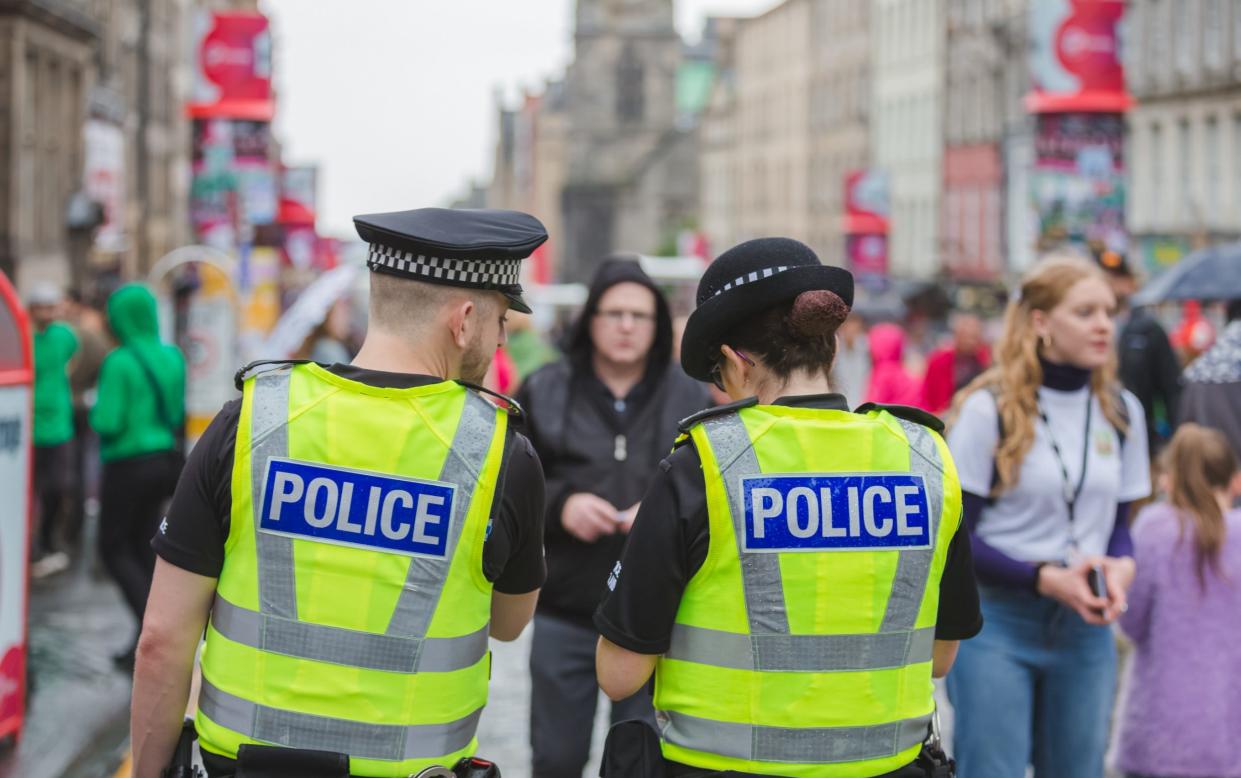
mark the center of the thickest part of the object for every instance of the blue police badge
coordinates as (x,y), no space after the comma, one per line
(357,508)
(821,512)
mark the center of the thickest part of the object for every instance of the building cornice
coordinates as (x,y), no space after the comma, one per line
(62,16)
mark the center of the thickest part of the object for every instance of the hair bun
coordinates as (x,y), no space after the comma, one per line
(817,313)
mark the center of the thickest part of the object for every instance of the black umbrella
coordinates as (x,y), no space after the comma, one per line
(1209,274)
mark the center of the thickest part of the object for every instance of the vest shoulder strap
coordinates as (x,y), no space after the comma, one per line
(508,404)
(908,413)
(263,366)
(688,423)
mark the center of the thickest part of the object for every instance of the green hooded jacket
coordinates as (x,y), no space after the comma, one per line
(127,415)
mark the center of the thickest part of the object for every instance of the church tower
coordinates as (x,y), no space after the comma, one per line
(621,102)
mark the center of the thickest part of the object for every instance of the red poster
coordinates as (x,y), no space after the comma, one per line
(866,202)
(1075,62)
(232,73)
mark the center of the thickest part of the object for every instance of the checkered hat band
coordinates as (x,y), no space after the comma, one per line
(466,272)
(750,278)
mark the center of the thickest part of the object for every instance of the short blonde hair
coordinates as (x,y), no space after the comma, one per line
(407,305)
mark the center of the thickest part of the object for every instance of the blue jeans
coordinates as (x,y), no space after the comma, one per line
(1034,687)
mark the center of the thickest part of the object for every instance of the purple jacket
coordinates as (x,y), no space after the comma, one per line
(1183,710)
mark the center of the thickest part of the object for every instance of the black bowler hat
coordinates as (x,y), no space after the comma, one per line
(474,248)
(745,281)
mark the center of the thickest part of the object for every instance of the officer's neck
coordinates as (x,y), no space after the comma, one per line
(799,384)
(394,354)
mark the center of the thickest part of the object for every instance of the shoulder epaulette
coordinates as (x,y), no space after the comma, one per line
(507,403)
(709,413)
(908,413)
(267,365)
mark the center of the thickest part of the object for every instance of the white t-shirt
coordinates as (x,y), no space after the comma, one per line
(1030,521)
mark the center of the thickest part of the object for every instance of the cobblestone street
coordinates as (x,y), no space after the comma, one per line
(504,733)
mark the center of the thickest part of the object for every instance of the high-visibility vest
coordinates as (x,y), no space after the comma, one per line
(352,613)
(803,645)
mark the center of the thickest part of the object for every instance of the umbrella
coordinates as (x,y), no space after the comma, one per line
(308,311)
(1209,274)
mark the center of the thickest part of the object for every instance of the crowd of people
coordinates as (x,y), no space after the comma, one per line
(109,417)
(1097,477)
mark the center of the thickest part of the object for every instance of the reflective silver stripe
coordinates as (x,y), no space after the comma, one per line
(345,646)
(462,467)
(760,573)
(914,565)
(358,739)
(269,437)
(801,653)
(818,745)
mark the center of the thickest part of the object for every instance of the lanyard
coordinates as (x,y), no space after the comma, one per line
(1071,493)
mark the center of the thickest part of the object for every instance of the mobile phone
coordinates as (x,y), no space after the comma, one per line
(1098,581)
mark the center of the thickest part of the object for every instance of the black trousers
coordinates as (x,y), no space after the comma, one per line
(131,507)
(53,486)
(563,696)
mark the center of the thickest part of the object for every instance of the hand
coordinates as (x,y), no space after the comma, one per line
(1070,586)
(588,517)
(624,519)
(1119,572)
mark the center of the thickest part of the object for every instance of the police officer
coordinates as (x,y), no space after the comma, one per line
(350,535)
(795,576)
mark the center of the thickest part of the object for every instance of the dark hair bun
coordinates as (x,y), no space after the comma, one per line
(817,313)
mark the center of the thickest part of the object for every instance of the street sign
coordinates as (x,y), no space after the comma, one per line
(16,380)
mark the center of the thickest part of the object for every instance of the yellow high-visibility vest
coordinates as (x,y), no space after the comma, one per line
(803,645)
(352,612)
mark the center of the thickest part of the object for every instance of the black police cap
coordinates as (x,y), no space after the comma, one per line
(745,281)
(473,248)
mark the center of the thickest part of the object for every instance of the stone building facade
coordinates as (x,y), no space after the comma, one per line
(907,126)
(786,122)
(93,129)
(1183,66)
(984,118)
(631,170)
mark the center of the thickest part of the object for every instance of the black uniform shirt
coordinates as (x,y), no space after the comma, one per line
(668,544)
(193,534)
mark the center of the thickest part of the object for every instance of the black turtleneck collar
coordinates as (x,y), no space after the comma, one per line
(1063,378)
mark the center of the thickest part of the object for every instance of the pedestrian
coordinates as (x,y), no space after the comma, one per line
(355,532)
(1181,715)
(1148,366)
(138,415)
(601,418)
(952,367)
(791,632)
(1051,452)
(1212,391)
(91,328)
(851,370)
(55,345)
(890,382)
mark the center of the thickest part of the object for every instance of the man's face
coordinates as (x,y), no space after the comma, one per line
(1123,286)
(623,328)
(967,334)
(489,335)
(42,315)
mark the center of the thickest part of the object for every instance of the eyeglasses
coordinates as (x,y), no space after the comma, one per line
(618,317)
(717,376)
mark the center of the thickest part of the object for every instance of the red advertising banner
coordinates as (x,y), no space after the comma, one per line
(868,254)
(1075,61)
(866,202)
(232,66)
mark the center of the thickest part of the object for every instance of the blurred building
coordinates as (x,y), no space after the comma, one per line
(1183,65)
(907,126)
(631,170)
(785,123)
(94,152)
(984,122)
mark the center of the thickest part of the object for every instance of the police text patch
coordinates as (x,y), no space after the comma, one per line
(859,512)
(356,508)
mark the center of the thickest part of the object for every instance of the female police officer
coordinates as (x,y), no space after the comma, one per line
(794,578)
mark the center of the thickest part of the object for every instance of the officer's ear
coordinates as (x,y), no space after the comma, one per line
(462,319)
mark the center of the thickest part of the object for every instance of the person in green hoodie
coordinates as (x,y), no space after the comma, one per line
(54,347)
(138,415)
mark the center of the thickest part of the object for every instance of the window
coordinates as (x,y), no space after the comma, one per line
(1157,178)
(1157,24)
(1186,207)
(1183,39)
(1213,30)
(1236,163)
(629,87)
(1213,154)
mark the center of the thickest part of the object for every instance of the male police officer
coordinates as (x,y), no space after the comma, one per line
(355,532)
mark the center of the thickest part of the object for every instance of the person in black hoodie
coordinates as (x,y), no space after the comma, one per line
(600,420)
